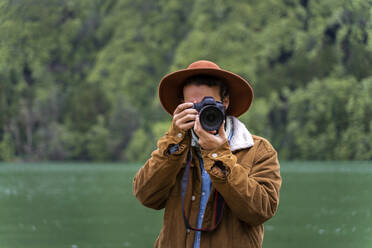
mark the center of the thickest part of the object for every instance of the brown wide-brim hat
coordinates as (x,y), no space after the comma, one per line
(240,91)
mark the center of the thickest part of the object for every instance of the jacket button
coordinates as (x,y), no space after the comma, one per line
(214,155)
(193,198)
(179,135)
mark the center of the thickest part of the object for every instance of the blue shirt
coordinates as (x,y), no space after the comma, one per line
(205,192)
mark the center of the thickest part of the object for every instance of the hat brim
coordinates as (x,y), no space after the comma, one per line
(240,91)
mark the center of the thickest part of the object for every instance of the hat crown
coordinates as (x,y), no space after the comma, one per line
(203,64)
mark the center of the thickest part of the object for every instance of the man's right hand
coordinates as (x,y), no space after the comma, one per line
(184,116)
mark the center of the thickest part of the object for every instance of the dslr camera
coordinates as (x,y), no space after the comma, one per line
(211,113)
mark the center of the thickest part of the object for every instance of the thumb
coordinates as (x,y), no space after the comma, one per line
(221,130)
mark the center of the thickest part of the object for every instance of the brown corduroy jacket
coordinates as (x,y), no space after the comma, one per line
(246,176)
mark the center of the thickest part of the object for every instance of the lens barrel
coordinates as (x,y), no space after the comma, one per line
(211,113)
(211,117)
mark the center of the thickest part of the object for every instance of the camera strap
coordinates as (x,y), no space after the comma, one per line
(219,202)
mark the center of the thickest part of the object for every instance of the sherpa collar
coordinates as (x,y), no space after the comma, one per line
(241,138)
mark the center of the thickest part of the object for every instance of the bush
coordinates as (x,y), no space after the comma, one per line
(7,151)
(143,143)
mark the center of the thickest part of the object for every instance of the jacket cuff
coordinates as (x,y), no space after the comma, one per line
(174,143)
(219,162)
(175,134)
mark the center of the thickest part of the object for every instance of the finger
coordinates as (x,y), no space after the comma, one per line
(182,107)
(187,125)
(196,124)
(205,138)
(186,118)
(221,130)
(199,130)
(184,113)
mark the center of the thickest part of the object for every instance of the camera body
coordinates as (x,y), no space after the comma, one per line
(211,113)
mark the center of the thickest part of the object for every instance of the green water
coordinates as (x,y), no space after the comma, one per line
(323,204)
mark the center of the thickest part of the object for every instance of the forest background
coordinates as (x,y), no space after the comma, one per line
(78,79)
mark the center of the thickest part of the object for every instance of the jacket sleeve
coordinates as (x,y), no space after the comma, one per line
(250,188)
(153,182)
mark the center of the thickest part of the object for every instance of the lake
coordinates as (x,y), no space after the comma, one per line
(88,205)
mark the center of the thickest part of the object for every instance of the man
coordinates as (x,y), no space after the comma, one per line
(217,187)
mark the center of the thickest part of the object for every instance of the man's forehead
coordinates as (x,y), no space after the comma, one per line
(194,92)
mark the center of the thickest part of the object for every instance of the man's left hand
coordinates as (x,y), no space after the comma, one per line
(207,140)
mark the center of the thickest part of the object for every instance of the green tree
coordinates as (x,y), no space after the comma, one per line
(329,119)
(78,77)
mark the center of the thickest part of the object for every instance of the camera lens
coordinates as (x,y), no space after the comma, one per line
(211,118)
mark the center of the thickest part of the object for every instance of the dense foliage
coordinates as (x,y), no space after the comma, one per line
(78,79)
